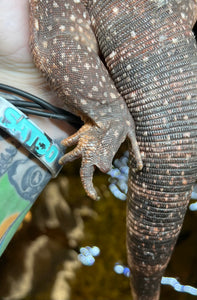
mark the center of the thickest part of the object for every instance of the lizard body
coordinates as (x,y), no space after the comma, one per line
(150,73)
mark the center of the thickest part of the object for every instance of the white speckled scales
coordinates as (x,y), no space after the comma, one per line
(150,53)
(65,50)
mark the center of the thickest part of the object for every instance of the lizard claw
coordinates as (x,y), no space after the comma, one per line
(85,138)
(97,147)
(73,139)
(136,150)
(72,155)
(86,173)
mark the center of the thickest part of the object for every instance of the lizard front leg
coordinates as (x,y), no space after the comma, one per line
(65,50)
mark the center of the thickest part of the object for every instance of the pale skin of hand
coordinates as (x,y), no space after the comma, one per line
(16,63)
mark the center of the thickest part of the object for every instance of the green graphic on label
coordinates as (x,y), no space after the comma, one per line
(13,209)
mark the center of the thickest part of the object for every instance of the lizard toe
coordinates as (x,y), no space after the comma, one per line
(86,173)
(136,150)
(70,156)
(97,145)
(71,140)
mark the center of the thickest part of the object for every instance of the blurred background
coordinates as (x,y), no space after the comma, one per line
(41,262)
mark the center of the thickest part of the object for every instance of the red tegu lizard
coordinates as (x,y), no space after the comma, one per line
(147,75)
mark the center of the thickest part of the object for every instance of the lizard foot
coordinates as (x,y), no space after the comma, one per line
(97,147)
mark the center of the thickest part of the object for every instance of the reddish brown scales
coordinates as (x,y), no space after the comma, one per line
(65,50)
(151,56)
(150,52)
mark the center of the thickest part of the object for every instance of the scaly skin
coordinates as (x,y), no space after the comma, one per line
(66,51)
(150,53)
